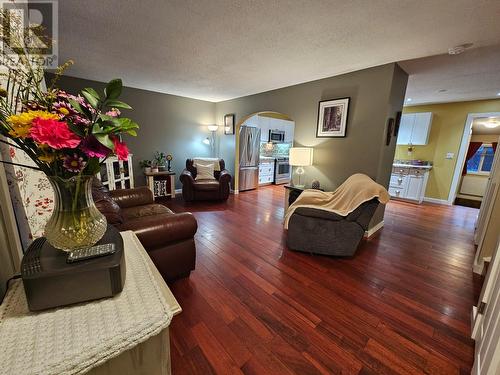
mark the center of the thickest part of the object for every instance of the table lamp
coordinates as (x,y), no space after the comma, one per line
(300,157)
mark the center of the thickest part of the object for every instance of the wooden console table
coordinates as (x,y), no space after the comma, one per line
(126,334)
(155,180)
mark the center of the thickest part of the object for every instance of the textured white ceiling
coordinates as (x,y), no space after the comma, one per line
(221,49)
(474,74)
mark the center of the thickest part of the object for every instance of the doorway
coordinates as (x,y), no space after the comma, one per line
(475,159)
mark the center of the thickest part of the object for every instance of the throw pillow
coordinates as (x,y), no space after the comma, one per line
(204,171)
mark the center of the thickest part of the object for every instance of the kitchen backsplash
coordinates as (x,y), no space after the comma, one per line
(274,150)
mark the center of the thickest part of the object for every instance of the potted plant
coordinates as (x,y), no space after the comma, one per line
(68,137)
(160,159)
(146,165)
(154,168)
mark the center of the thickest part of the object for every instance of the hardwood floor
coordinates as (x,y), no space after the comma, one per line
(400,306)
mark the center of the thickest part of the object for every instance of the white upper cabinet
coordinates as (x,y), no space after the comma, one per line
(264,128)
(415,128)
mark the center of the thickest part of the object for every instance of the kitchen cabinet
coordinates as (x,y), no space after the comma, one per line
(409,182)
(415,128)
(264,123)
(266,171)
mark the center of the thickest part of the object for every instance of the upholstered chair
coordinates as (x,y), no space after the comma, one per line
(194,189)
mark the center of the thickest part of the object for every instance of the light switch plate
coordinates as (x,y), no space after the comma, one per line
(450,155)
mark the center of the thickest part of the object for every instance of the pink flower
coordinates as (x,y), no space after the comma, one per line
(73,163)
(93,148)
(53,133)
(121,149)
(115,112)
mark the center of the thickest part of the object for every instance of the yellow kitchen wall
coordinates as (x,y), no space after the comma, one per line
(447,128)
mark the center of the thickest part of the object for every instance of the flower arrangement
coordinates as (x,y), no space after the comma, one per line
(67,135)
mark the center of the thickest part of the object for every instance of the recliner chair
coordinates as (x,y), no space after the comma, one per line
(199,190)
(322,232)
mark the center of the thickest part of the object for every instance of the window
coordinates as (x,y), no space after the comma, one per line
(482,160)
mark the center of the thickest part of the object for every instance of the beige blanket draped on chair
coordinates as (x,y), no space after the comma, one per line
(357,189)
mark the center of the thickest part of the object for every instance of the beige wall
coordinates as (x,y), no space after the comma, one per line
(485,138)
(447,129)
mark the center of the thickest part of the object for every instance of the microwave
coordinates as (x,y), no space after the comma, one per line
(276,136)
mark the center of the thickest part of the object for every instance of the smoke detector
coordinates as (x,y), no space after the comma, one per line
(457,50)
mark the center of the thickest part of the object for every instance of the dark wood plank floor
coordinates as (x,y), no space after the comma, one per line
(400,306)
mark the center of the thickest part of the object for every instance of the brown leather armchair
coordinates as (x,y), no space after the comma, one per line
(168,237)
(197,190)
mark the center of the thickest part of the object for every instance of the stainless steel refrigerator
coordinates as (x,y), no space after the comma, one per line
(249,158)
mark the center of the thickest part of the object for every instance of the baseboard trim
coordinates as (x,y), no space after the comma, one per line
(437,201)
(370,232)
(234,191)
(478,268)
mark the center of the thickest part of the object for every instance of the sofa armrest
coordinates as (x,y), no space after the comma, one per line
(161,230)
(225,176)
(186,177)
(132,197)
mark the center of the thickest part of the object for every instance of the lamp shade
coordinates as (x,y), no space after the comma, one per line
(301,156)
(213,127)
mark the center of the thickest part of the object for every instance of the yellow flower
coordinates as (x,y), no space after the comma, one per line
(21,124)
(64,111)
(47,156)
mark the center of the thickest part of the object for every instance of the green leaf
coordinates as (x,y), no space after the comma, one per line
(132,132)
(97,129)
(93,167)
(117,104)
(92,92)
(76,106)
(76,129)
(105,140)
(82,110)
(94,102)
(113,89)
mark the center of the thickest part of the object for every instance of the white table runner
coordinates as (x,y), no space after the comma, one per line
(74,339)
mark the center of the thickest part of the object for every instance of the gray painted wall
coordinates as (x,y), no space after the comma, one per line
(376,94)
(177,125)
(169,123)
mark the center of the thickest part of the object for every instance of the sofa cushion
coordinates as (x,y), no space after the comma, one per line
(206,185)
(204,171)
(131,213)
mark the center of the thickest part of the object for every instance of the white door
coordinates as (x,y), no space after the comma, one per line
(405,128)
(414,188)
(421,128)
(486,324)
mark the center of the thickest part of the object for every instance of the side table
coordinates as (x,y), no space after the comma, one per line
(162,184)
(127,334)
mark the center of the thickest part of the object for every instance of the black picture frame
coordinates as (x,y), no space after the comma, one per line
(390,127)
(229,124)
(339,129)
(397,123)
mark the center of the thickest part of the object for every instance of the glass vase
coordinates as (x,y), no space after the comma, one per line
(75,222)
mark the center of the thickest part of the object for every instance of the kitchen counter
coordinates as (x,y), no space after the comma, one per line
(401,165)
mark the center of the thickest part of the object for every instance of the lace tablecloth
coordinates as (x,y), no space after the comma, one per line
(75,339)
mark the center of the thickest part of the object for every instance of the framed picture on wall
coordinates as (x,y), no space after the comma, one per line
(332,118)
(229,123)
